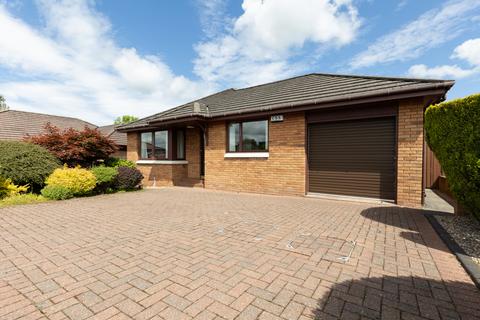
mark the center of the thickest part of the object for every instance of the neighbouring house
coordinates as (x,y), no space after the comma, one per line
(119,138)
(16,125)
(316,134)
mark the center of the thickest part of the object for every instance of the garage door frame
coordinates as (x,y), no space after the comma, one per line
(353,113)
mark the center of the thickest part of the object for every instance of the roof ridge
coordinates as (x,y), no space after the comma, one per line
(344,76)
(52,115)
(380,77)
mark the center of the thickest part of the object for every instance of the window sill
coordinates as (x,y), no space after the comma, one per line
(162,162)
(246,155)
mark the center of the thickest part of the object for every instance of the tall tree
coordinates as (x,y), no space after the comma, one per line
(125,119)
(3,104)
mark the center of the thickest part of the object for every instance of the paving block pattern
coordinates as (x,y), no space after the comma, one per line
(179,253)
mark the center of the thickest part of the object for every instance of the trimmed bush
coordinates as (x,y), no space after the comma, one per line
(8,189)
(55,192)
(78,180)
(116,162)
(26,163)
(453,133)
(106,177)
(128,178)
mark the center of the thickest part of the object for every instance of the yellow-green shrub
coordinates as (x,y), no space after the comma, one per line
(78,180)
(8,188)
(26,198)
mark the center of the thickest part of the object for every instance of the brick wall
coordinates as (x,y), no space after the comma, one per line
(162,175)
(410,153)
(282,173)
(159,175)
(192,152)
(132,146)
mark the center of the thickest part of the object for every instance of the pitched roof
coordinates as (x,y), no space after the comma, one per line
(15,125)
(315,88)
(111,132)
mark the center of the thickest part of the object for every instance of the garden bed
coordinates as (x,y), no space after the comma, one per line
(465,231)
(462,236)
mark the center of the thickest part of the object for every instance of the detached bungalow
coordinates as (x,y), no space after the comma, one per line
(315,134)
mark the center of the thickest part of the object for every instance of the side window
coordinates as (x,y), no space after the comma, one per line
(180,139)
(161,144)
(146,145)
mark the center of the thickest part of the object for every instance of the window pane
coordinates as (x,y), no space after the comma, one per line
(255,135)
(146,147)
(180,145)
(234,137)
(161,144)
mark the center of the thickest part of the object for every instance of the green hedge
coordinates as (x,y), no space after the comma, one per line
(26,163)
(453,133)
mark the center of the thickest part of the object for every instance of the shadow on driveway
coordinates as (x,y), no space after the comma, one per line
(402,218)
(399,298)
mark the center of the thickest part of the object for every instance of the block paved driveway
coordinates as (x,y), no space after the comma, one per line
(180,253)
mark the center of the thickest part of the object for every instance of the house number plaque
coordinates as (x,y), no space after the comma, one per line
(277,118)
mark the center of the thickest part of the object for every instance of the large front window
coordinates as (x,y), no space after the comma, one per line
(248,136)
(163,145)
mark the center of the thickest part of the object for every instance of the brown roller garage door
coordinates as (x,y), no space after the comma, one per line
(354,158)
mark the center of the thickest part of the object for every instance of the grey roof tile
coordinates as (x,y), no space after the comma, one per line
(317,87)
(111,132)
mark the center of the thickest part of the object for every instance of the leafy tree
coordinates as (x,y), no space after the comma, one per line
(3,104)
(125,119)
(74,147)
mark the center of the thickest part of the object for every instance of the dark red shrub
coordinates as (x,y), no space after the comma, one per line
(75,147)
(128,178)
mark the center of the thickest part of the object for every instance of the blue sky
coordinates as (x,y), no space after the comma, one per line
(100,59)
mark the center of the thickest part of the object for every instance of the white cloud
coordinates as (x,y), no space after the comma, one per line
(258,45)
(24,48)
(468,51)
(213,17)
(401,4)
(430,30)
(439,72)
(73,66)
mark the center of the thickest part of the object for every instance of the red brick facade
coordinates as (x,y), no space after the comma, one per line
(192,152)
(161,175)
(410,153)
(283,172)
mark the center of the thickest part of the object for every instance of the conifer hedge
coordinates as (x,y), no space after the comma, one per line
(453,133)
